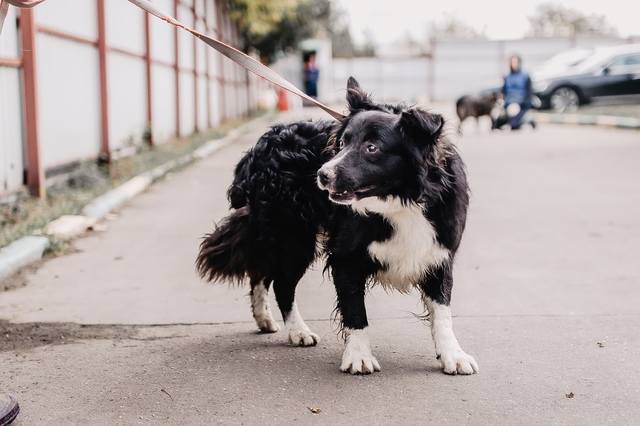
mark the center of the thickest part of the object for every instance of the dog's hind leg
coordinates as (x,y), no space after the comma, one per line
(260,306)
(285,289)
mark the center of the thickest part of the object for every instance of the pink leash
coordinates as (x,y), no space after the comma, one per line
(230,52)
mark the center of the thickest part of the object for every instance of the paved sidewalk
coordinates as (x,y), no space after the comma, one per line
(546,298)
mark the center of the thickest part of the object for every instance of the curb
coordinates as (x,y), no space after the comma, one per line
(21,253)
(31,248)
(589,120)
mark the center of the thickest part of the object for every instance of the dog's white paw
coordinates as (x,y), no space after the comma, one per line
(356,362)
(267,325)
(303,337)
(357,357)
(458,362)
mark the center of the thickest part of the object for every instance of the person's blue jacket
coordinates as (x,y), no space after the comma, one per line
(517,88)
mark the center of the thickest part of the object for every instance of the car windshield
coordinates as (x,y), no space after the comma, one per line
(594,62)
(564,60)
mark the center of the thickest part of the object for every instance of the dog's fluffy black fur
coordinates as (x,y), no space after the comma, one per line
(383,182)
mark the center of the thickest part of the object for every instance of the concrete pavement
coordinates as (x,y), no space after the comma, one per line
(546,299)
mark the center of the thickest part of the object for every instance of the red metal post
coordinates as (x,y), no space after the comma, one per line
(207,28)
(105,152)
(147,65)
(248,88)
(221,78)
(35,171)
(196,107)
(176,67)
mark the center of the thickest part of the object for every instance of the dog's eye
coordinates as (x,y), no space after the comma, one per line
(341,144)
(371,148)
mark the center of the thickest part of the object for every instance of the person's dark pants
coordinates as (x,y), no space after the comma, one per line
(311,88)
(517,120)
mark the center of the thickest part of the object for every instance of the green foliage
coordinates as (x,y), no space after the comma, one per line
(274,26)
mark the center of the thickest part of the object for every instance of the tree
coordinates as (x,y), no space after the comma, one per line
(273,26)
(452,27)
(342,40)
(551,20)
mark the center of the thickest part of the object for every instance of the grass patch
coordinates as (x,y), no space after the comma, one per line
(68,194)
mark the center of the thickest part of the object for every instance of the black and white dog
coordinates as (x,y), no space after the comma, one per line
(387,190)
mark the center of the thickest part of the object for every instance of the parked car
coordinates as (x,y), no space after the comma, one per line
(610,71)
(560,63)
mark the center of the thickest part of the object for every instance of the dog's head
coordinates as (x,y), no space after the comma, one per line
(380,151)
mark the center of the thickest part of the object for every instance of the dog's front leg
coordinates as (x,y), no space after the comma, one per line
(436,289)
(350,288)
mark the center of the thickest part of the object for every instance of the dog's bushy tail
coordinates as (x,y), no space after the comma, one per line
(229,251)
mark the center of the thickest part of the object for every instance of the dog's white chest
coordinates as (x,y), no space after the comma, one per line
(410,252)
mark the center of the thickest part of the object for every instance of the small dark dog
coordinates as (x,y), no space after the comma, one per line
(476,106)
(389,193)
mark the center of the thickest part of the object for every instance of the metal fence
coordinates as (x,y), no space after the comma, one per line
(86,79)
(452,67)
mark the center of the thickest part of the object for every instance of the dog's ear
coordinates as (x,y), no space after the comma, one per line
(421,125)
(357,99)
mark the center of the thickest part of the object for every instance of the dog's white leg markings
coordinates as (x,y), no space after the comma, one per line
(357,356)
(261,310)
(452,358)
(299,332)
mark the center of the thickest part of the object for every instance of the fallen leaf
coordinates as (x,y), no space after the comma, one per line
(167,393)
(570,395)
(314,410)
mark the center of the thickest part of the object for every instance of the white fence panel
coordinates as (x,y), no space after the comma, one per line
(11,161)
(68,100)
(127,100)
(214,102)
(202,103)
(125,26)
(164,103)
(9,39)
(77,17)
(185,39)
(162,47)
(187,103)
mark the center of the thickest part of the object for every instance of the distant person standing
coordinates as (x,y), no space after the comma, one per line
(517,93)
(311,74)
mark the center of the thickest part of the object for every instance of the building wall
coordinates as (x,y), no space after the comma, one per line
(163,80)
(456,67)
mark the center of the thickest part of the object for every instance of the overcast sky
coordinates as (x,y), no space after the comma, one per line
(392,19)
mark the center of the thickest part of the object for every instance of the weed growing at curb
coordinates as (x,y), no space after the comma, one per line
(68,193)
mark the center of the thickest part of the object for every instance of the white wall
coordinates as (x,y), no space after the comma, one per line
(68,101)
(164,103)
(68,82)
(460,67)
(127,100)
(11,157)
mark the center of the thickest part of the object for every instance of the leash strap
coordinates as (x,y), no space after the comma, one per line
(230,52)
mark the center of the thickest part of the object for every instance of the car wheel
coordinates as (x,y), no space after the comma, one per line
(565,99)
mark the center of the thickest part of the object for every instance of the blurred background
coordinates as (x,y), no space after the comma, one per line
(93,92)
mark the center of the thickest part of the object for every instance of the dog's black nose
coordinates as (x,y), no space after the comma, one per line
(323,177)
